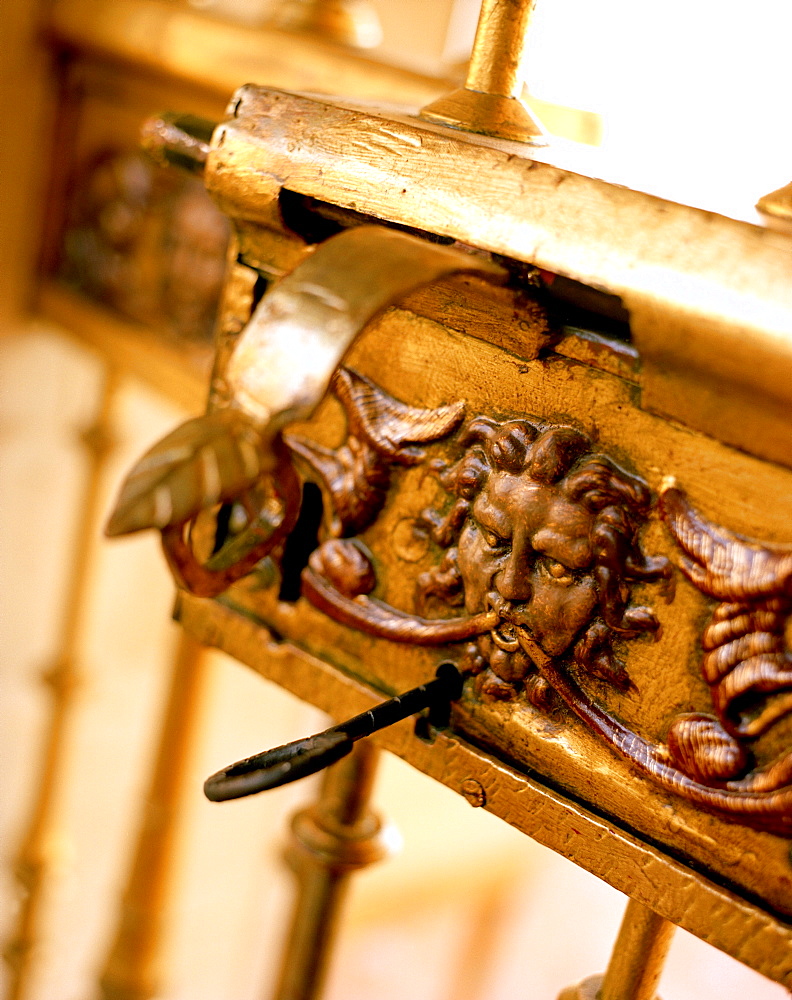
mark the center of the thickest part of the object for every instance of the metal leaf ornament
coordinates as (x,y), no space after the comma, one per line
(278,372)
(203,462)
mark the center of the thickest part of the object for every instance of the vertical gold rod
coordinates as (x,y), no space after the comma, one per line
(63,677)
(638,955)
(490,103)
(499,47)
(330,840)
(132,969)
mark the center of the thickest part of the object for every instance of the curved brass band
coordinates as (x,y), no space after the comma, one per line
(283,361)
(279,371)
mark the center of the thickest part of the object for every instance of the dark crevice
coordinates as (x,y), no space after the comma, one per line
(222,527)
(301,542)
(315,220)
(259,290)
(581,307)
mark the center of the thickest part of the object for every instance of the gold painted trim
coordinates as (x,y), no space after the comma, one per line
(709,297)
(718,916)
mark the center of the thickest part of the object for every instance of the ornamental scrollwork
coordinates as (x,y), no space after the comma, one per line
(540,535)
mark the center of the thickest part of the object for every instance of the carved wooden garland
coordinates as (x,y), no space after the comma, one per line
(542,549)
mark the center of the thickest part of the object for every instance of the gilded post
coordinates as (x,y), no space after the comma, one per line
(490,102)
(63,678)
(496,61)
(636,962)
(132,968)
(330,840)
(638,955)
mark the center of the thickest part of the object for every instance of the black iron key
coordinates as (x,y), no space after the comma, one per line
(281,765)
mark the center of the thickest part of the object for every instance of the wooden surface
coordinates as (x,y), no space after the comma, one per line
(421,362)
(498,358)
(168,39)
(679,893)
(595,750)
(708,297)
(730,487)
(26,108)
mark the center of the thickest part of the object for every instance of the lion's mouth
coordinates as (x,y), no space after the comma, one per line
(511,633)
(505,634)
(505,637)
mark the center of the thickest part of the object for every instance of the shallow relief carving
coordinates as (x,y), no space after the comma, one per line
(539,543)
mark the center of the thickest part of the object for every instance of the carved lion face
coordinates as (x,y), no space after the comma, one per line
(525,550)
(546,534)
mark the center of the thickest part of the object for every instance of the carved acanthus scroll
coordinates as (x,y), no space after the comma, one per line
(382,432)
(745,662)
(541,540)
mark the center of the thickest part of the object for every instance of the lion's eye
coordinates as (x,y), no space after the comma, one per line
(559,571)
(493,540)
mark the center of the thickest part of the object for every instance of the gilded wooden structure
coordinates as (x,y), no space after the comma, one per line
(535,479)
(473,404)
(132,259)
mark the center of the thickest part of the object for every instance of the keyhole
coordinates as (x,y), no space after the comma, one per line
(301,542)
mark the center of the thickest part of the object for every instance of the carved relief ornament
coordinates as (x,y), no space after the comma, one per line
(540,535)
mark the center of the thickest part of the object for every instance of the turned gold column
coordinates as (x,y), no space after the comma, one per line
(132,968)
(637,960)
(63,677)
(331,839)
(490,103)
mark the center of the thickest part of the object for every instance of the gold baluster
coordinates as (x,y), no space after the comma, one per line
(490,102)
(637,960)
(330,840)
(63,677)
(132,969)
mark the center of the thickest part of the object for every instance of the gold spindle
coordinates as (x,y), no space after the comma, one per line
(497,57)
(330,840)
(132,968)
(490,102)
(33,864)
(638,955)
(636,962)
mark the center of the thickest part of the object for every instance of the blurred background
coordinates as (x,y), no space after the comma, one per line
(109,275)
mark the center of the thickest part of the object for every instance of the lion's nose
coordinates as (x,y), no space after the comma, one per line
(514,581)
